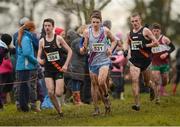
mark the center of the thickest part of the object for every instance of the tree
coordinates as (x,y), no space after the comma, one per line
(25,7)
(82,8)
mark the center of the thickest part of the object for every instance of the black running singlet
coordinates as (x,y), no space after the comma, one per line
(138,57)
(53,53)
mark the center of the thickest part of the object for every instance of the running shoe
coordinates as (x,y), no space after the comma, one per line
(96,111)
(61,114)
(136,108)
(152,94)
(157,101)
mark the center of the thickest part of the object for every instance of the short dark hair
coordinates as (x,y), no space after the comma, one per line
(135,14)
(49,20)
(156,26)
(96,14)
(6,38)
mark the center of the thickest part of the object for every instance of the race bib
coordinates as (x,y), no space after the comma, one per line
(135,45)
(53,56)
(98,47)
(160,48)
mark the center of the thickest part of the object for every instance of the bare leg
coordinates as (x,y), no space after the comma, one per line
(165,79)
(95,92)
(102,81)
(135,73)
(51,86)
(156,78)
(59,90)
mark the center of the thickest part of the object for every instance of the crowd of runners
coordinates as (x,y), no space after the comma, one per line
(87,64)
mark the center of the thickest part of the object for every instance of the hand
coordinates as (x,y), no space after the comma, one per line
(85,44)
(164,55)
(64,68)
(109,51)
(41,61)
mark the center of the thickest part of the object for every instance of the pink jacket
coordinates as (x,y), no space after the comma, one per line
(118,62)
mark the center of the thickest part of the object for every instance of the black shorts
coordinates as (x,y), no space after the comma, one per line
(54,75)
(143,64)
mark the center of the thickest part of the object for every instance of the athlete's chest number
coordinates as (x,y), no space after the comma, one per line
(160,48)
(98,47)
(135,45)
(53,56)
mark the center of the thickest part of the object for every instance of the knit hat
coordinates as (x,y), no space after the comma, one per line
(58,30)
(23,20)
(118,36)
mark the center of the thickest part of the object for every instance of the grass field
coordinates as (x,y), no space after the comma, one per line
(165,114)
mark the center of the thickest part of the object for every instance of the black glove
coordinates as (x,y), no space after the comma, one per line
(125,53)
(112,58)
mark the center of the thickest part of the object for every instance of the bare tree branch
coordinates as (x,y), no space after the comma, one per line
(104,4)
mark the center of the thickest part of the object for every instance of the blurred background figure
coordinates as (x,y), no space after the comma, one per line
(177,78)
(107,23)
(26,64)
(117,68)
(6,70)
(59,31)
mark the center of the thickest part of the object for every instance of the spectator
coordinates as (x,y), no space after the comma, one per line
(33,84)
(26,63)
(6,69)
(177,79)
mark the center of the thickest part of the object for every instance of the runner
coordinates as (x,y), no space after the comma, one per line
(54,63)
(160,61)
(140,39)
(95,38)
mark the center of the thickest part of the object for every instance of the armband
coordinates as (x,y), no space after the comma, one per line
(172,48)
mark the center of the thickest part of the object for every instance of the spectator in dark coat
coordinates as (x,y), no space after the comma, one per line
(77,66)
(177,79)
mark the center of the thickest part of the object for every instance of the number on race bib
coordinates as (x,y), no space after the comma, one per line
(135,44)
(53,56)
(98,47)
(160,48)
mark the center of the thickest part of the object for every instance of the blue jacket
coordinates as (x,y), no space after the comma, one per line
(25,54)
(35,40)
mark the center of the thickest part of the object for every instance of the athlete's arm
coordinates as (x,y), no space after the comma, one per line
(149,35)
(126,45)
(112,40)
(62,42)
(167,41)
(83,49)
(40,50)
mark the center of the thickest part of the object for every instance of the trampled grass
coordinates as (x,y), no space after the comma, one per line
(165,114)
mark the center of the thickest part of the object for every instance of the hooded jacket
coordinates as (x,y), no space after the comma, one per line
(25,54)
(78,62)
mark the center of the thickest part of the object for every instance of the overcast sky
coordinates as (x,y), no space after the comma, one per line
(116,11)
